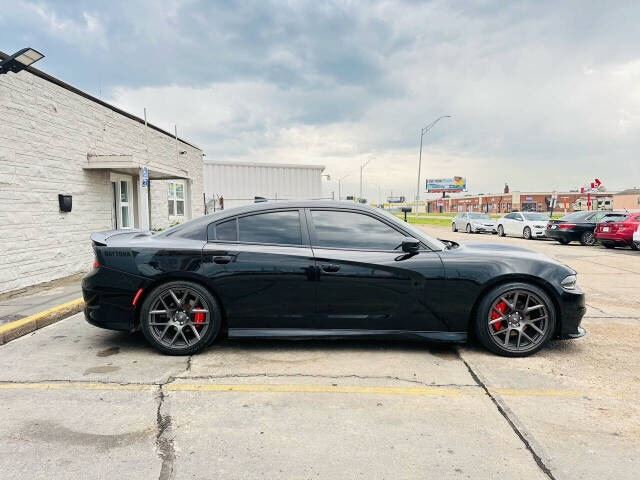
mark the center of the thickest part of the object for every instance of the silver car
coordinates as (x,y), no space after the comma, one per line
(472,222)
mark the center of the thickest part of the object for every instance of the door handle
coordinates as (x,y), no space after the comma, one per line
(330,268)
(222,259)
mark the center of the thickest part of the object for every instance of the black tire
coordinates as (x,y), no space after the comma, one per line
(490,341)
(587,238)
(468,229)
(635,245)
(453,227)
(500,231)
(196,295)
(563,241)
(526,233)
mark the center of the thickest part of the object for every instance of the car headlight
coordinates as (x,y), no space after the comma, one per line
(569,283)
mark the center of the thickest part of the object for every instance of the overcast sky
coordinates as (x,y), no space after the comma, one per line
(543,95)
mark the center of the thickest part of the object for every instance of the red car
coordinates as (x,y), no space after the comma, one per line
(616,229)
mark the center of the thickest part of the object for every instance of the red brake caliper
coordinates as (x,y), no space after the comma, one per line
(499,306)
(198,317)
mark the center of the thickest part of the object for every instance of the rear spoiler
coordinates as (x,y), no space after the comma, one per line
(100,238)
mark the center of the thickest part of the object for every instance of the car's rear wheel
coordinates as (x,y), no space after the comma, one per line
(180,318)
(563,241)
(453,227)
(468,229)
(635,245)
(515,319)
(587,238)
(500,231)
(526,233)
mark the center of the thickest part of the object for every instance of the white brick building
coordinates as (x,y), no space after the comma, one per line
(55,139)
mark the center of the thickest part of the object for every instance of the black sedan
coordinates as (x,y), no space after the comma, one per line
(324,269)
(576,226)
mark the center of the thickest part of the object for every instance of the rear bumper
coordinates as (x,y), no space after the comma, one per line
(108,296)
(566,236)
(614,238)
(572,309)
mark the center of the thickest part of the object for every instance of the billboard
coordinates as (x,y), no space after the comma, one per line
(454,184)
(399,199)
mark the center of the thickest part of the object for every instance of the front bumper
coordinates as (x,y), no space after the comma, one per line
(537,232)
(572,309)
(108,296)
(483,228)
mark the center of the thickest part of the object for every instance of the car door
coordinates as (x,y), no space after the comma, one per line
(364,281)
(516,224)
(465,221)
(262,267)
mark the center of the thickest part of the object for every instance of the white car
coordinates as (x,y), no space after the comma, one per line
(636,238)
(473,223)
(527,225)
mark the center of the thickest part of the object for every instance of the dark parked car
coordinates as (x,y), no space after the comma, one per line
(576,226)
(616,230)
(325,269)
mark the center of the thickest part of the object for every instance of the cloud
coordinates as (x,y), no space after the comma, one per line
(543,95)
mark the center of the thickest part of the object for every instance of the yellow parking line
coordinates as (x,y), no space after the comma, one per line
(286,388)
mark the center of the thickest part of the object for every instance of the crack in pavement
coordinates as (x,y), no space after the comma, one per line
(334,377)
(164,443)
(503,411)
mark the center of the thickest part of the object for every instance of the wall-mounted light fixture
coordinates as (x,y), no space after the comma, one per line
(20,60)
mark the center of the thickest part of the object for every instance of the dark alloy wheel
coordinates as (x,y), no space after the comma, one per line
(453,227)
(180,318)
(526,233)
(500,231)
(635,245)
(587,238)
(468,229)
(515,320)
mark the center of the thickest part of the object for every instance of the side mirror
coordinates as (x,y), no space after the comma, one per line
(410,245)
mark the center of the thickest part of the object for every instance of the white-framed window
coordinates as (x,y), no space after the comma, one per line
(175,196)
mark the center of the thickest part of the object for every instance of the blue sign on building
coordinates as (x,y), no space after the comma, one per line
(144,177)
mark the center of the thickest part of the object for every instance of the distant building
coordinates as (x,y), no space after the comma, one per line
(522,201)
(239,183)
(627,199)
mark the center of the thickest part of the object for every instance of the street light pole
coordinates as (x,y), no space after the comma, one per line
(339,190)
(422,134)
(362,168)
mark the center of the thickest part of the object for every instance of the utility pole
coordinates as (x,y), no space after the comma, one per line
(361,169)
(339,190)
(422,134)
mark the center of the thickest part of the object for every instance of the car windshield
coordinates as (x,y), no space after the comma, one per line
(479,216)
(536,216)
(433,243)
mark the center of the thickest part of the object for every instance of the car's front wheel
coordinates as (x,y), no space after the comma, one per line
(515,319)
(180,318)
(468,229)
(453,227)
(635,245)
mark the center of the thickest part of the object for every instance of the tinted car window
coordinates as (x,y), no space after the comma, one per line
(615,217)
(227,231)
(479,216)
(576,217)
(272,227)
(536,216)
(511,216)
(353,230)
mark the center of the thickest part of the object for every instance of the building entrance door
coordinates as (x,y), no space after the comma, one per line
(122,217)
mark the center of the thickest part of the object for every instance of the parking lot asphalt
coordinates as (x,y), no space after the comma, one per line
(79,401)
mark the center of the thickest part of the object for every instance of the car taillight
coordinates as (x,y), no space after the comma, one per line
(566,225)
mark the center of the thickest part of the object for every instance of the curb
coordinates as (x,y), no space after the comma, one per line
(21,327)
